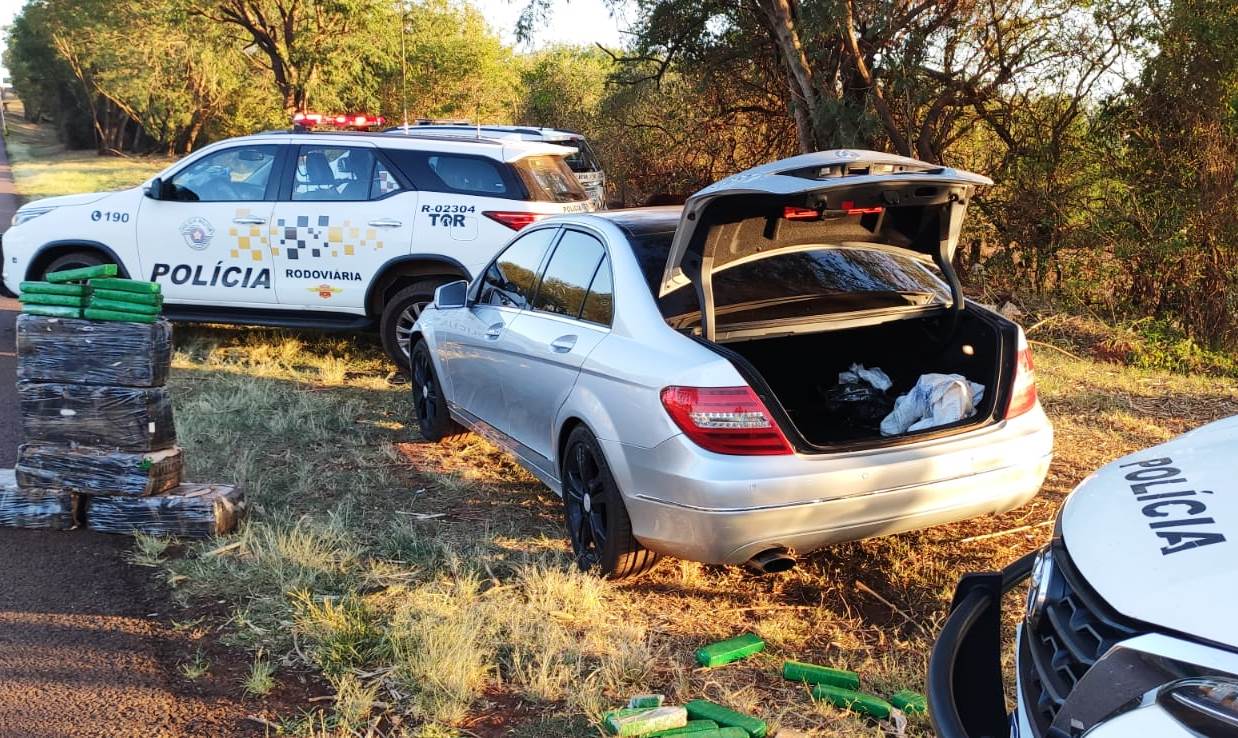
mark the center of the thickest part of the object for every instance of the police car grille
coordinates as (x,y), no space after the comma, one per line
(1075,629)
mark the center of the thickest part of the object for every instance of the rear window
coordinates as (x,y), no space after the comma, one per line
(798,284)
(549,179)
(583,160)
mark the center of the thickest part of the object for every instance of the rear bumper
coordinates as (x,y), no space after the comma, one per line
(965,693)
(705,507)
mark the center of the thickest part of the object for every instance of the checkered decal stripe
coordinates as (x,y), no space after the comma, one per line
(302,241)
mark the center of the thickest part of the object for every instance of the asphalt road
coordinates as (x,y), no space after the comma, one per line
(87,646)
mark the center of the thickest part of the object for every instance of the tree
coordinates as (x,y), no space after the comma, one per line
(309,48)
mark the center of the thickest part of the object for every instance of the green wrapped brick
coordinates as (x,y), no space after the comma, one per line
(798,671)
(726,717)
(643,722)
(84,273)
(52,311)
(126,285)
(123,307)
(47,288)
(733,649)
(646,701)
(693,728)
(138,298)
(849,699)
(41,298)
(117,316)
(912,703)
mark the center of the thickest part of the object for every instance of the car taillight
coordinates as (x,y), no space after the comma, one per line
(513,220)
(725,420)
(1023,388)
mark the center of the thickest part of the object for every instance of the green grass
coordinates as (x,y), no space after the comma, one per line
(431,586)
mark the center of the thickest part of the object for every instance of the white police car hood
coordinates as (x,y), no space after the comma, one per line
(1156,533)
(61,201)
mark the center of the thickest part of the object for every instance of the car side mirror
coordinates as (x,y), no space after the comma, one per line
(452,295)
(161,190)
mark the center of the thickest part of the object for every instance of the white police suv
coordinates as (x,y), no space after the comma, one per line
(1129,628)
(305,229)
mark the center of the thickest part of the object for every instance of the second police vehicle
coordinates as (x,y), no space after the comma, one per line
(331,229)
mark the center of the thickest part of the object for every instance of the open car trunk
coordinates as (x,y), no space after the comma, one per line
(798,374)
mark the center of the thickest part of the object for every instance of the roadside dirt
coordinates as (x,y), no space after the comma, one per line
(89,645)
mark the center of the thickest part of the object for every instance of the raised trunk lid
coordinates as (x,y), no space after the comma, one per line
(828,197)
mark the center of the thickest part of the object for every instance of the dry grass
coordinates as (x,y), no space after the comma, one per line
(430,584)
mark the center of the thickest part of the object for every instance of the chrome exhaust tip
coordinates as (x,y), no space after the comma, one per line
(772,561)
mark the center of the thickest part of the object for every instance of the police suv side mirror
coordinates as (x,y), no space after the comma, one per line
(451,295)
(160,190)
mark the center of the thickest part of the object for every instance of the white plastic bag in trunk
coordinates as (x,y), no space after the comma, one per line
(937,399)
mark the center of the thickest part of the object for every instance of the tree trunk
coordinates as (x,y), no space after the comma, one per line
(804,97)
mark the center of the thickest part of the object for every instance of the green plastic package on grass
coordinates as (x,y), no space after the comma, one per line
(732,649)
(726,717)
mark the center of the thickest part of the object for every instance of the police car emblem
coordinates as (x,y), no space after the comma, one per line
(197,233)
(325,291)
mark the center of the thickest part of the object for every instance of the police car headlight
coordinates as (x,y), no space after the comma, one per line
(1206,705)
(25,214)
(1038,589)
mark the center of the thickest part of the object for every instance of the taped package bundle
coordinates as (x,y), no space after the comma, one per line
(126,418)
(89,352)
(92,470)
(189,511)
(34,507)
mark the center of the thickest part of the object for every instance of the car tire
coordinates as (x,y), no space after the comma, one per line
(434,422)
(593,508)
(74,260)
(399,314)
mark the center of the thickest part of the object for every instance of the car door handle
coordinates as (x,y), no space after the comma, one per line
(249,221)
(563,344)
(493,331)
(386,223)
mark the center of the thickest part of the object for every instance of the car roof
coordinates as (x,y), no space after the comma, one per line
(506,149)
(505,130)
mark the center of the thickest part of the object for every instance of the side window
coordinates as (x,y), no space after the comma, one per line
(384,182)
(335,173)
(510,280)
(457,173)
(238,174)
(568,274)
(600,302)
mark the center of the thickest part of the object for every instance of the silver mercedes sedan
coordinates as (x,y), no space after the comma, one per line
(785,362)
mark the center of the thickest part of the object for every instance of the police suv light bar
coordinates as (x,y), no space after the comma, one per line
(351,120)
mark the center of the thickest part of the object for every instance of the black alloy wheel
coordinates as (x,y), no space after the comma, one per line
(597,521)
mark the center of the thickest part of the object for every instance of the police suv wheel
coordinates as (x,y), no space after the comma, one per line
(434,423)
(597,520)
(399,315)
(74,260)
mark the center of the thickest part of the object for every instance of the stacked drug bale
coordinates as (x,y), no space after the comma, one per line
(97,418)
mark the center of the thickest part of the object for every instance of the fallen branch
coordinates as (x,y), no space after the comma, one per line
(865,588)
(1008,531)
(264,723)
(1055,348)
